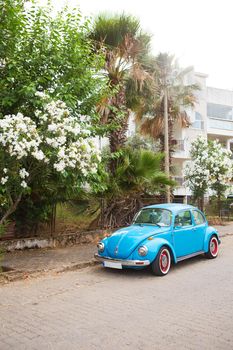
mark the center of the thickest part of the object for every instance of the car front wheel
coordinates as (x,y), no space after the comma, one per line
(162,263)
(213,248)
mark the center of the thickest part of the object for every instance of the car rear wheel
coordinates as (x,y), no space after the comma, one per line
(213,248)
(162,263)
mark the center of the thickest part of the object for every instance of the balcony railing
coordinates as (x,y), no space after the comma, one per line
(179,180)
(179,145)
(220,124)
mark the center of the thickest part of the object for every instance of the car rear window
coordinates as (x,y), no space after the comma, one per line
(198,217)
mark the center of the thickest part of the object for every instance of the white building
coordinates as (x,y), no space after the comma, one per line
(212,118)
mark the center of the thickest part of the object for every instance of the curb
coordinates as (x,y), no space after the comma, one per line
(78,266)
(17,275)
(225,235)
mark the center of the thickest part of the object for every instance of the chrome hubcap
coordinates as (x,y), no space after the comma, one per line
(214,247)
(164,261)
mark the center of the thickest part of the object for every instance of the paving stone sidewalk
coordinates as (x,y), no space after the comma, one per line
(25,263)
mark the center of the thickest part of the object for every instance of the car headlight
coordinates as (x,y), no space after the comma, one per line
(100,246)
(143,250)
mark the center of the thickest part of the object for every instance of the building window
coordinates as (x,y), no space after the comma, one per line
(198,124)
(219,111)
(179,145)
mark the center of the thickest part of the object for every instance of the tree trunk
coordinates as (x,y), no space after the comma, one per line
(170,141)
(120,115)
(219,204)
(171,149)
(11,210)
(117,138)
(119,212)
(200,203)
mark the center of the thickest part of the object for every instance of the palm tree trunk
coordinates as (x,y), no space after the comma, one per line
(170,141)
(120,114)
(117,138)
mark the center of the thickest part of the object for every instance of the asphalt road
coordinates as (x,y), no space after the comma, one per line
(97,308)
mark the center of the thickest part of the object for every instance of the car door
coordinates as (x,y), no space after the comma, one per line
(183,233)
(200,225)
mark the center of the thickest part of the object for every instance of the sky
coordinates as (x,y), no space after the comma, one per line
(198,32)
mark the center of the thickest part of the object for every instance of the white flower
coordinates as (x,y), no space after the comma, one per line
(52,127)
(23,173)
(5,170)
(4,180)
(82,118)
(61,153)
(39,155)
(98,157)
(23,184)
(59,166)
(41,94)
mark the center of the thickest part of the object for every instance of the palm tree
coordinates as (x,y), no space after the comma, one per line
(169,75)
(138,173)
(123,44)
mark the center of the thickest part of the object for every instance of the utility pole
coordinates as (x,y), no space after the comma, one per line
(166,141)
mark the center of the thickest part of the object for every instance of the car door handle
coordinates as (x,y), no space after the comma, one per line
(194,228)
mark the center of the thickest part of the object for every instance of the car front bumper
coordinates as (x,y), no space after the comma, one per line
(122,261)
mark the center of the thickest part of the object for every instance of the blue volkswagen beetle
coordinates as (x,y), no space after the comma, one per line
(160,235)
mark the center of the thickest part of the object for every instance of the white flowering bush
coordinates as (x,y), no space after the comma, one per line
(210,168)
(220,165)
(196,171)
(54,141)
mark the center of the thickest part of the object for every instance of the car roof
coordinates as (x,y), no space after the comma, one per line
(174,207)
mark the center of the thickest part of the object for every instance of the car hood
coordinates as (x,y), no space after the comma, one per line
(123,242)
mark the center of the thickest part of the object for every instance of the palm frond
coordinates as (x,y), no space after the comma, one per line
(113,29)
(152,126)
(136,171)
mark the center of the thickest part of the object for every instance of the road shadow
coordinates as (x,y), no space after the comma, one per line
(146,272)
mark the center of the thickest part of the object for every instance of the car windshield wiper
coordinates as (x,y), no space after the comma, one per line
(148,222)
(138,223)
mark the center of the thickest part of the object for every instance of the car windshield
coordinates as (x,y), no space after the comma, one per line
(154,216)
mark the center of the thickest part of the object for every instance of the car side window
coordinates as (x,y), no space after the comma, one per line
(198,217)
(183,219)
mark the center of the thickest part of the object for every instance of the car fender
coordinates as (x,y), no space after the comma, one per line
(209,232)
(154,246)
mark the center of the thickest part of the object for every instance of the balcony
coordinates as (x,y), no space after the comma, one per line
(180,189)
(180,149)
(220,124)
(179,145)
(220,119)
(179,180)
